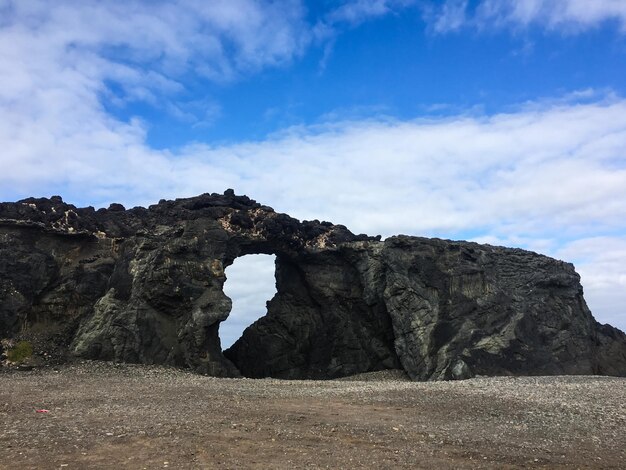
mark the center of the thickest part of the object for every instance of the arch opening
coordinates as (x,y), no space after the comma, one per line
(250,284)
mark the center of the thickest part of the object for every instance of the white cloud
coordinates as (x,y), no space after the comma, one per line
(451,16)
(567,15)
(57,62)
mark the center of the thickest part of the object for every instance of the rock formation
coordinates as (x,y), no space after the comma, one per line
(145,285)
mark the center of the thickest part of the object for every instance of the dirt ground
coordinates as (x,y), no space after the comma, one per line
(104,415)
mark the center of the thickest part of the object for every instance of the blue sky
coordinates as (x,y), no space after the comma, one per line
(500,121)
(394,64)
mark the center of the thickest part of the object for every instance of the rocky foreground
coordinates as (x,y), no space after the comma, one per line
(145,285)
(103,415)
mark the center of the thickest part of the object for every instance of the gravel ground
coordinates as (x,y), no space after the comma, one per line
(103,415)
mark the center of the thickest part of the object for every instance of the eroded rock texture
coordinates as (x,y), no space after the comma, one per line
(145,285)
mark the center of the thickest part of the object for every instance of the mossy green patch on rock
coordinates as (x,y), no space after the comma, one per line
(20,352)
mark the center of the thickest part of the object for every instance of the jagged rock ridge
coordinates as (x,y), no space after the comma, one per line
(145,285)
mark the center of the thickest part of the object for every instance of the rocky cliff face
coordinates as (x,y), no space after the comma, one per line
(145,285)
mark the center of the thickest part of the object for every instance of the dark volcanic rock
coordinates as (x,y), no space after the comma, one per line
(477,309)
(145,285)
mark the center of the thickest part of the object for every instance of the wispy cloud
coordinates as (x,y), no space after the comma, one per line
(571,16)
(351,13)
(451,16)
(357,11)
(61,61)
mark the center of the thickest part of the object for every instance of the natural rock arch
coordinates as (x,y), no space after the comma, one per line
(146,285)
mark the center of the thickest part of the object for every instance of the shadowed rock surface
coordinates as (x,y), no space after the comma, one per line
(145,285)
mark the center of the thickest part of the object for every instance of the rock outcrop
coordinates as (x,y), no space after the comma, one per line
(145,285)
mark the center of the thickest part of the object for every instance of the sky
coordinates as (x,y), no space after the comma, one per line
(498,121)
